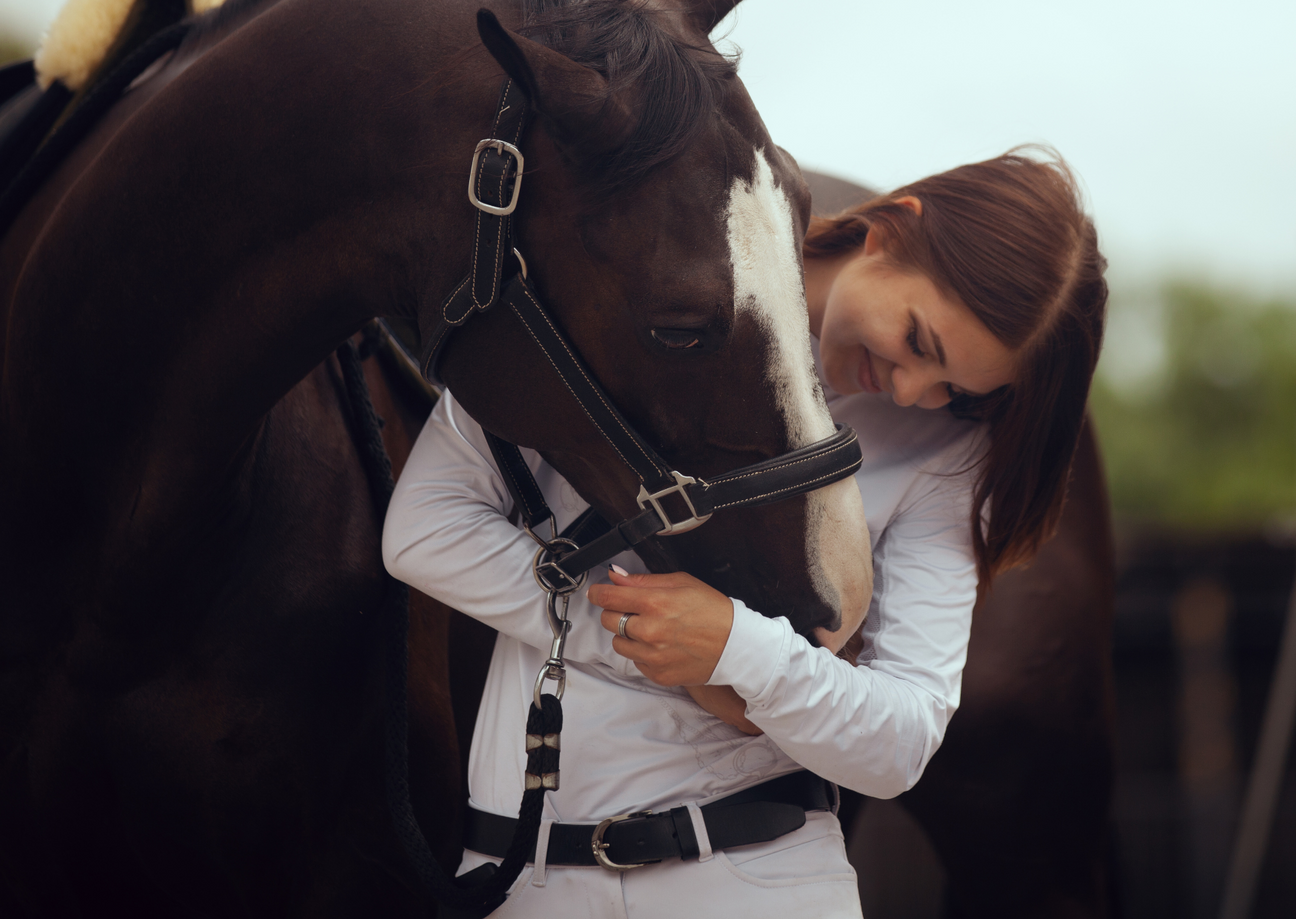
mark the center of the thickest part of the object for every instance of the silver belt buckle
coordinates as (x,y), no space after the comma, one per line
(600,846)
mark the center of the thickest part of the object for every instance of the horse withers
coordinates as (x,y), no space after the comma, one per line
(190,695)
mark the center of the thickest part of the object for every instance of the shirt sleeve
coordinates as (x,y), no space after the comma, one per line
(447,534)
(874,726)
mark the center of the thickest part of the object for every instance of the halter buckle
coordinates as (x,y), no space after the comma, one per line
(500,147)
(599,846)
(680,488)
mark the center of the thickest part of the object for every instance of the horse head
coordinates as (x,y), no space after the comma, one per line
(663,227)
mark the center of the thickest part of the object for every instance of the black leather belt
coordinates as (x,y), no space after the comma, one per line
(758,814)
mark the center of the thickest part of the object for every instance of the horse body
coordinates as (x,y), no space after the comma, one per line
(190,702)
(1018,799)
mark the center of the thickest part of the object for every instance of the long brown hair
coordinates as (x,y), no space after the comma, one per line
(1009,239)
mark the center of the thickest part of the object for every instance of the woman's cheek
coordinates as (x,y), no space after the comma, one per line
(841,365)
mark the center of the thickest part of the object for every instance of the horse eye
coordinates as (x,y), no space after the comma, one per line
(677,339)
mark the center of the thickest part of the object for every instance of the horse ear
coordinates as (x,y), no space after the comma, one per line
(706,14)
(573,98)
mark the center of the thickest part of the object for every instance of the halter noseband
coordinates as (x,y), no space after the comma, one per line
(494,185)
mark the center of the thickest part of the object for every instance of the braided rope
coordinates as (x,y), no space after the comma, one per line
(478,899)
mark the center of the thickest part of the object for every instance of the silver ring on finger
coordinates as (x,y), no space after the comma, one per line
(621,626)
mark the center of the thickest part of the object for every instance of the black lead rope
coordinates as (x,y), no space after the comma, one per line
(481,891)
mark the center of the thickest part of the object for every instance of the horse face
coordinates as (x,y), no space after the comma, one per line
(684,294)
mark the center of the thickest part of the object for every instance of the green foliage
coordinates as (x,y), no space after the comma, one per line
(13,49)
(1209,440)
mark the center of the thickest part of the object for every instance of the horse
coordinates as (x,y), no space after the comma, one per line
(191,665)
(1017,800)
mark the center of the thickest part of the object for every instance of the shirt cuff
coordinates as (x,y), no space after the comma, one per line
(753,652)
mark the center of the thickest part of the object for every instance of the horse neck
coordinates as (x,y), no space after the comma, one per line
(230,223)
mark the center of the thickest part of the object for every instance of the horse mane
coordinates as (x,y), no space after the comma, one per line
(676,86)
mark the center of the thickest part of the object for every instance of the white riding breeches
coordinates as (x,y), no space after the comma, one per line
(804,873)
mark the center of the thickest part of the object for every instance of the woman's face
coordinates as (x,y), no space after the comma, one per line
(888,330)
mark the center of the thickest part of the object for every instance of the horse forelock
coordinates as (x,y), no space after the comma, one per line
(676,86)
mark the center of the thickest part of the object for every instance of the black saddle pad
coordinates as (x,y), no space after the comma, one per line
(26,116)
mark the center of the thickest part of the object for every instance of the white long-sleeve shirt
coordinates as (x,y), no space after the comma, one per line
(629,744)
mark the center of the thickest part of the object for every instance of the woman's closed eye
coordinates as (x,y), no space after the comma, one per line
(912,339)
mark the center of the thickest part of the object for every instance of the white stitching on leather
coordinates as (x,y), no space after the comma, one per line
(780,466)
(593,386)
(778,491)
(548,357)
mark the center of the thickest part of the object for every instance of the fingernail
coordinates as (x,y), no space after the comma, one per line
(619,570)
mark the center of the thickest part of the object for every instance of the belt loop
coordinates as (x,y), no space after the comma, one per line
(541,853)
(700,831)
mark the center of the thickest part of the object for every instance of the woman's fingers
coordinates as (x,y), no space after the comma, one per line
(677,628)
(635,593)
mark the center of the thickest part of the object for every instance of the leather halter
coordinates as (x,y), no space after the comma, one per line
(493,188)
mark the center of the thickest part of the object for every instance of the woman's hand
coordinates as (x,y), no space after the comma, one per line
(677,629)
(675,635)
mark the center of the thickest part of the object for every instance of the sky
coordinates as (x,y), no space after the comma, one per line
(1178,115)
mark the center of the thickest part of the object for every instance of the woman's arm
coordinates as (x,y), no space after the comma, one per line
(448,535)
(871,727)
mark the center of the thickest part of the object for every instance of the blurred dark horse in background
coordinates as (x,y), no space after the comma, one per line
(1017,801)
(190,692)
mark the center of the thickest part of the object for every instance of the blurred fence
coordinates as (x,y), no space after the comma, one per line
(1197,629)
(1198,624)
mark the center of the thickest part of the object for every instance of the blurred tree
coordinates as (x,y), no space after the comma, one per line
(13,49)
(1210,441)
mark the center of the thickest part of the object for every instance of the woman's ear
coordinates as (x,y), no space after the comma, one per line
(912,203)
(874,240)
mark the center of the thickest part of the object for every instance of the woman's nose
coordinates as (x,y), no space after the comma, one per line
(923,389)
(907,387)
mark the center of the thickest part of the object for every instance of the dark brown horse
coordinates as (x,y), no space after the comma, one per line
(1017,801)
(190,690)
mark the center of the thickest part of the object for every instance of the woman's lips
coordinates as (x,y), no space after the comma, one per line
(867,378)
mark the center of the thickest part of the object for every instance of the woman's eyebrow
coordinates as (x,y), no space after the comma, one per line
(936,342)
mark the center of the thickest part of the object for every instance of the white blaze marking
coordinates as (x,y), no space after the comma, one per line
(768,286)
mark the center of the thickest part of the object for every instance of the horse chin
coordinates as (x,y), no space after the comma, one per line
(839,557)
(811,563)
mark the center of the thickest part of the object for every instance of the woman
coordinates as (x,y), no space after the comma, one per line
(958,322)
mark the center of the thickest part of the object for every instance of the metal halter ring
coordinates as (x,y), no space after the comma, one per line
(566,583)
(552,670)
